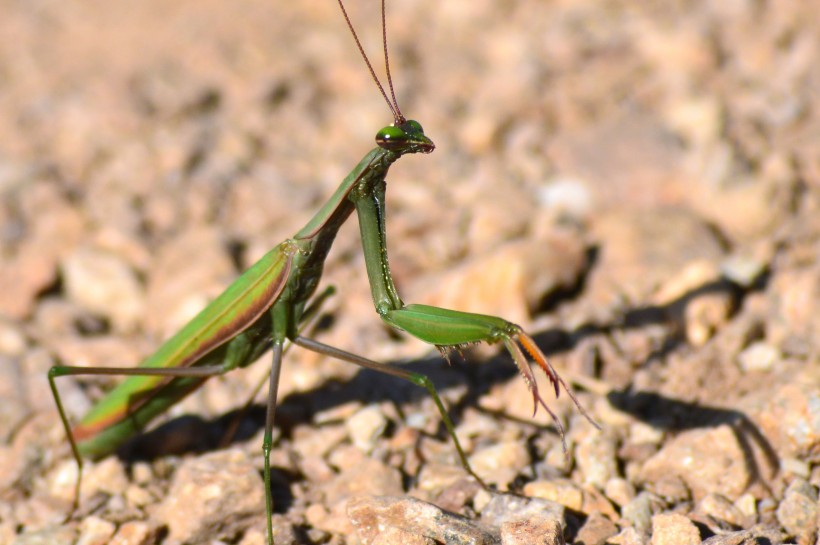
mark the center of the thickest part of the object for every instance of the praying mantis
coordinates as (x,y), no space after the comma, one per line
(270,302)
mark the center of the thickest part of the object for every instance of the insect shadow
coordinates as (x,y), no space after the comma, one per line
(193,434)
(674,416)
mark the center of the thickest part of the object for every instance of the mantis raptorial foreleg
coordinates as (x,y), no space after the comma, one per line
(439,326)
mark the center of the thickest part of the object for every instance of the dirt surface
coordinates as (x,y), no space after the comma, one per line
(635,183)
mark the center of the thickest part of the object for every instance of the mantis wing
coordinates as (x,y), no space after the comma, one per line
(138,398)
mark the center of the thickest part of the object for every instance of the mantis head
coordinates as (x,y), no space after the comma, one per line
(404,137)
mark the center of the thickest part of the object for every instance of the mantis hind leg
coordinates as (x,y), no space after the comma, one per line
(67,370)
(415,378)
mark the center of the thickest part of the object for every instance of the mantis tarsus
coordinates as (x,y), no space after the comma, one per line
(268,303)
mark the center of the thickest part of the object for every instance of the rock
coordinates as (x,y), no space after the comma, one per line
(759,356)
(107,476)
(586,499)
(747,505)
(596,530)
(366,426)
(758,534)
(560,491)
(507,507)
(792,467)
(368,478)
(674,529)
(508,281)
(706,314)
(318,441)
(744,270)
(595,456)
(216,496)
(564,196)
(694,275)
(596,502)
(30,273)
(670,488)
(799,510)
(641,510)
(629,536)
(138,497)
(135,532)
(95,531)
(602,155)
(436,477)
(7,532)
(791,419)
(51,536)
(641,251)
(372,516)
(495,284)
(794,303)
(12,340)
(706,460)
(459,494)
(105,285)
(500,463)
(619,490)
(50,225)
(720,508)
(538,531)
(12,465)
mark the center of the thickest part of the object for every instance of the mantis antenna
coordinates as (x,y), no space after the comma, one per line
(398,117)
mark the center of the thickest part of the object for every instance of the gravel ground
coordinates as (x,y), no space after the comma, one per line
(636,183)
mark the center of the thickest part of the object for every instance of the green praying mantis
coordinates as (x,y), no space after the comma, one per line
(269,304)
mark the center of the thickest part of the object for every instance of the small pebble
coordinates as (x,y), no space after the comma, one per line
(95,531)
(12,340)
(619,491)
(717,506)
(790,419)
(507,507)
(215,496)
(49,536)
(795,467)
(135,532)
(707,314)
(371,516)
(674,529)
(640,511)
(799,510)
(596,530)
(104,284)
(559,491)
(629,536)
(595,456)
(366,426)
(759,357)
(538,531)
(742,270)
(500,463)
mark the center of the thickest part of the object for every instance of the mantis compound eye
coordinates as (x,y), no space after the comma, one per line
(414,126)
(391,138)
